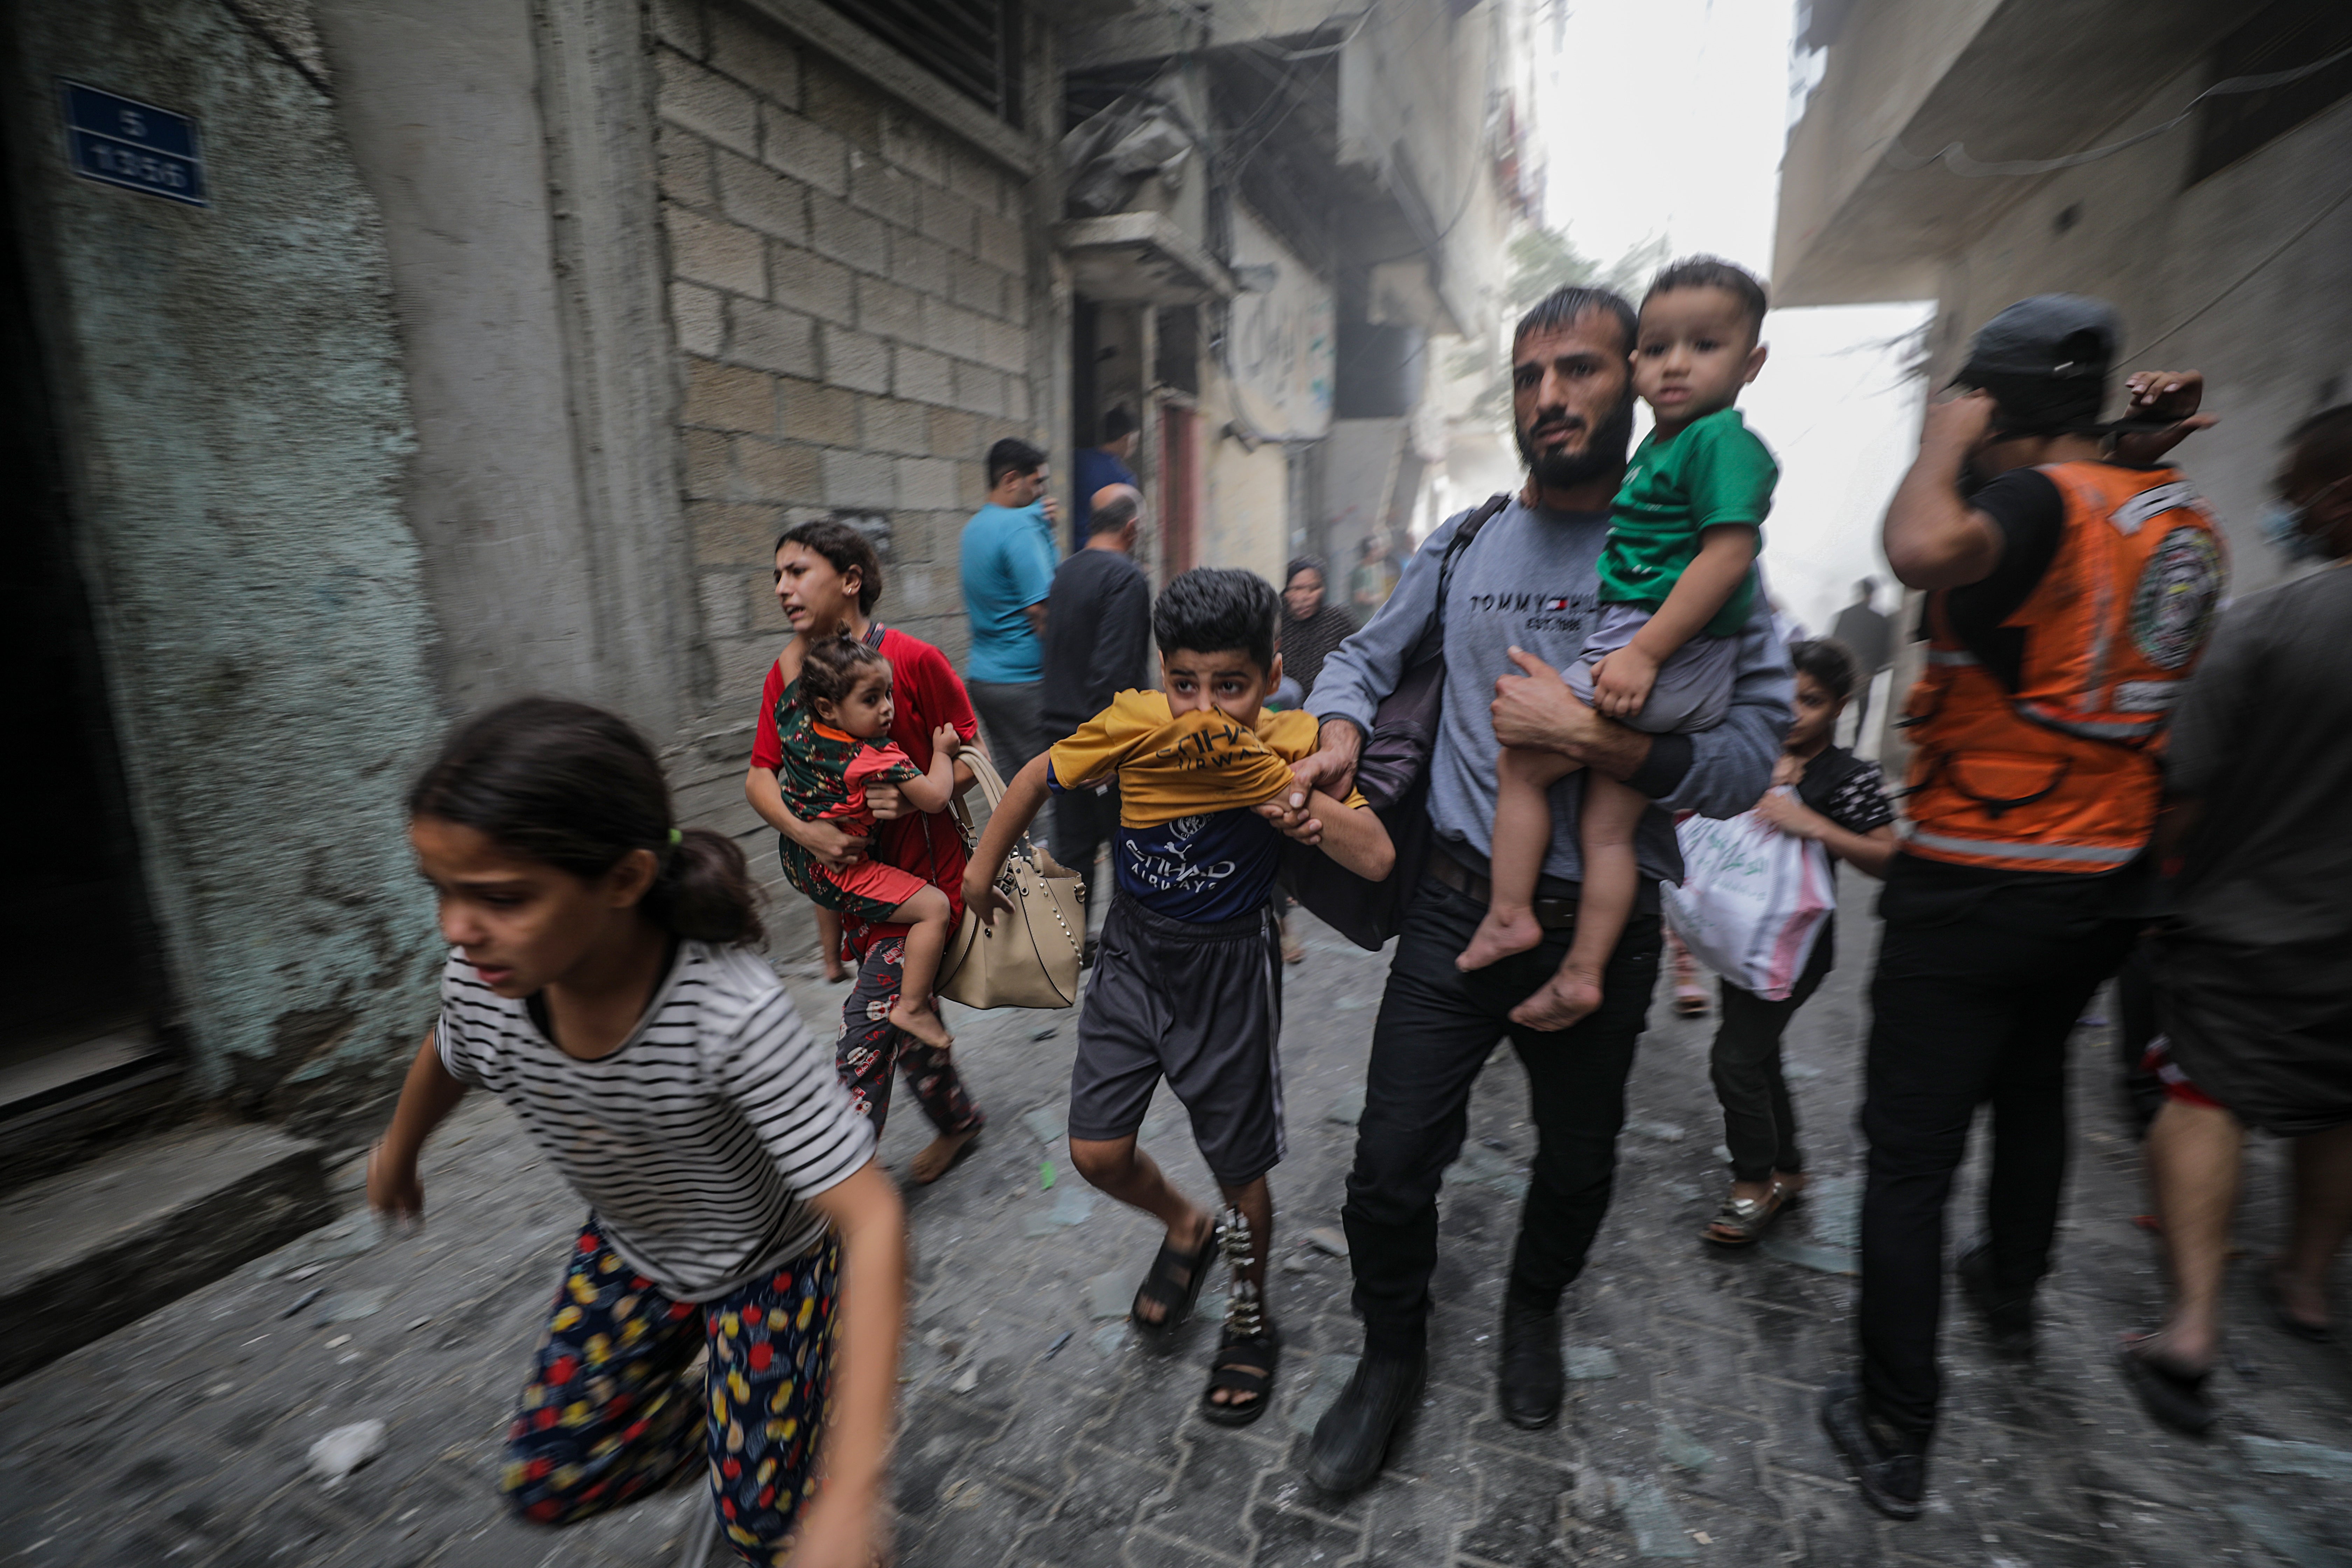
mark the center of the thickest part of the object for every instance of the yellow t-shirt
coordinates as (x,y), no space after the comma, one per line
(1172,766)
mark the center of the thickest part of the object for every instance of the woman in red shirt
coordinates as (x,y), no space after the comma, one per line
(827,581)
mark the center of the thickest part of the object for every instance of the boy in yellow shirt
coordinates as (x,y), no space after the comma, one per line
(1188,980)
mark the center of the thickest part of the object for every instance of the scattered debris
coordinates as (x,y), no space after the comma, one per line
(344,1238)
(1349,1107)
(1048,1033)
(1323,1385)
(1589,1363)
(1785,1248)
(1109,1295)
(348,1306)
(1323,1238)
(1664,1132)
(1045,1176)
(2279,1535)
(1497,1144)
(304,1300)
(965,1492)
(1489,1169)
(1296,1263)
(1044,1125)
(2277,1458)
(1802,1072)
(339,1340)
(1834,1203)
(1108,1339)
(967,1383)
(1055,1348)
(416,1323)
(1685,1452)
(1658,1530)
(1071,1207)
(345,1449)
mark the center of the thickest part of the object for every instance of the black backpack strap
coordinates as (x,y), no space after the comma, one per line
(1434,631)
(874,630)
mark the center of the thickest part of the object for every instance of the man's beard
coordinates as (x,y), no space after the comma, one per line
(1604,455)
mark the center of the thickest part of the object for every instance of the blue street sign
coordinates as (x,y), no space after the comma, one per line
(121,141)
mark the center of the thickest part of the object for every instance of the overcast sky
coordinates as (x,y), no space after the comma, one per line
(1669,119)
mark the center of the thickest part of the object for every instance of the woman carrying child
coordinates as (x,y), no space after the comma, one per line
(603,983)
(828,581)
(834,759)
(1840,803)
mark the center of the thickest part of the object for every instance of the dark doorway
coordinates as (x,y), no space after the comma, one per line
(80,980)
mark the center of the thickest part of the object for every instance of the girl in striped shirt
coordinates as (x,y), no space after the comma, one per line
(603,983)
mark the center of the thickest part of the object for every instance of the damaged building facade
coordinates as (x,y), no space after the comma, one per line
(372,365)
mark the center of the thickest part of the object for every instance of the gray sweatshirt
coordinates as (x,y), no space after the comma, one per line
(1528,579)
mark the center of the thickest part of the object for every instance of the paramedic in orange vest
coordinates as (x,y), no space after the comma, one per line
(2070,582)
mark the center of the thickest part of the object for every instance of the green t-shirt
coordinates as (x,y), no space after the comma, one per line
(1714,470)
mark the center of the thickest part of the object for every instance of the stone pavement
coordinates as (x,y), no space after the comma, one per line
(1037,1434)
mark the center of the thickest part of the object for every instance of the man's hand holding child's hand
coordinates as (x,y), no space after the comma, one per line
(1621,682)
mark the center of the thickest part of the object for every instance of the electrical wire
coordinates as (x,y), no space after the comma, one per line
(1954,156)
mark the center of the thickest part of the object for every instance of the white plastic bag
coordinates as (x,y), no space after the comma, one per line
(1752,902)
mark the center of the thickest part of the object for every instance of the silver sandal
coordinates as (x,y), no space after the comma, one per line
(1740,1221)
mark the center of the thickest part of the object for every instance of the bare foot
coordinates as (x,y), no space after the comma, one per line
(1498,936)
(1564,1000)
(923,1022)
(937,1155)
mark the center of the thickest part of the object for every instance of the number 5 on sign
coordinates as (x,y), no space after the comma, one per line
(119,141)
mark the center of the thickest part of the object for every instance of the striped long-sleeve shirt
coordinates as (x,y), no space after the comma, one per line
(698,1142)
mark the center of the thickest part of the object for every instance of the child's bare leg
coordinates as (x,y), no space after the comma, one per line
(1116,1166)
(925,917)
(1603,907)
(1522,836)
(828,942)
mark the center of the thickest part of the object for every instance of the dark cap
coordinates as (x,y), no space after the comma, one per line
(2045,361)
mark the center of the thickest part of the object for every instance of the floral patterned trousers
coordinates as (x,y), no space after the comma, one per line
(611,1411)
(872,1050)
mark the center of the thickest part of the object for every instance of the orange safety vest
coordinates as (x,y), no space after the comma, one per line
(2063,773)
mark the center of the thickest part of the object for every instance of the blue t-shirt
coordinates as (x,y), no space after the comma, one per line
(1208,868)
(1008,565)
(1094,469)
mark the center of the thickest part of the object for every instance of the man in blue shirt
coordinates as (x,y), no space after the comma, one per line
(1105,463)
(1008,572)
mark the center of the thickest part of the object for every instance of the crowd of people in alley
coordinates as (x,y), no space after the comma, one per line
(1565,745)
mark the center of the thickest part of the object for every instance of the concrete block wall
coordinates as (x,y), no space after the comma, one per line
(849,287)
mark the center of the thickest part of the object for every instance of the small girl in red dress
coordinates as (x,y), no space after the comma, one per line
(825,771)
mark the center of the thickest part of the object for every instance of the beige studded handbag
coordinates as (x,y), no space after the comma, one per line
(1030,957)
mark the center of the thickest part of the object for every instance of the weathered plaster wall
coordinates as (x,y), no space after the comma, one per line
(2245,275)
(438,102)
(229,384)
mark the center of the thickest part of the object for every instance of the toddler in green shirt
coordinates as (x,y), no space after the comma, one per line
(1676,587)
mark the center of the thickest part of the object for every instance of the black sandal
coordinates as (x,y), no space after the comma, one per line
(1245,1364)
(2174,1397)
(1160,1287)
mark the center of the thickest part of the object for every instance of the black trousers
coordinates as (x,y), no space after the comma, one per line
(1083,823)
(1969,1006)
(1759,1127)
(1437,1027)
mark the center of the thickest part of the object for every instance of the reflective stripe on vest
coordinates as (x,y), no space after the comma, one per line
(1950,656)
(2092,729)
(2069,854)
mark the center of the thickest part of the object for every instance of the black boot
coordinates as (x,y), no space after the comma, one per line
(1532,1378)
(1352,1439)
(2007,1315)
(1891,1472)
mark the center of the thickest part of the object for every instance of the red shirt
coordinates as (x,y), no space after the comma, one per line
(927,694)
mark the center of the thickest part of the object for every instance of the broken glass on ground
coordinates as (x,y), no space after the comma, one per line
(1650,1514)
